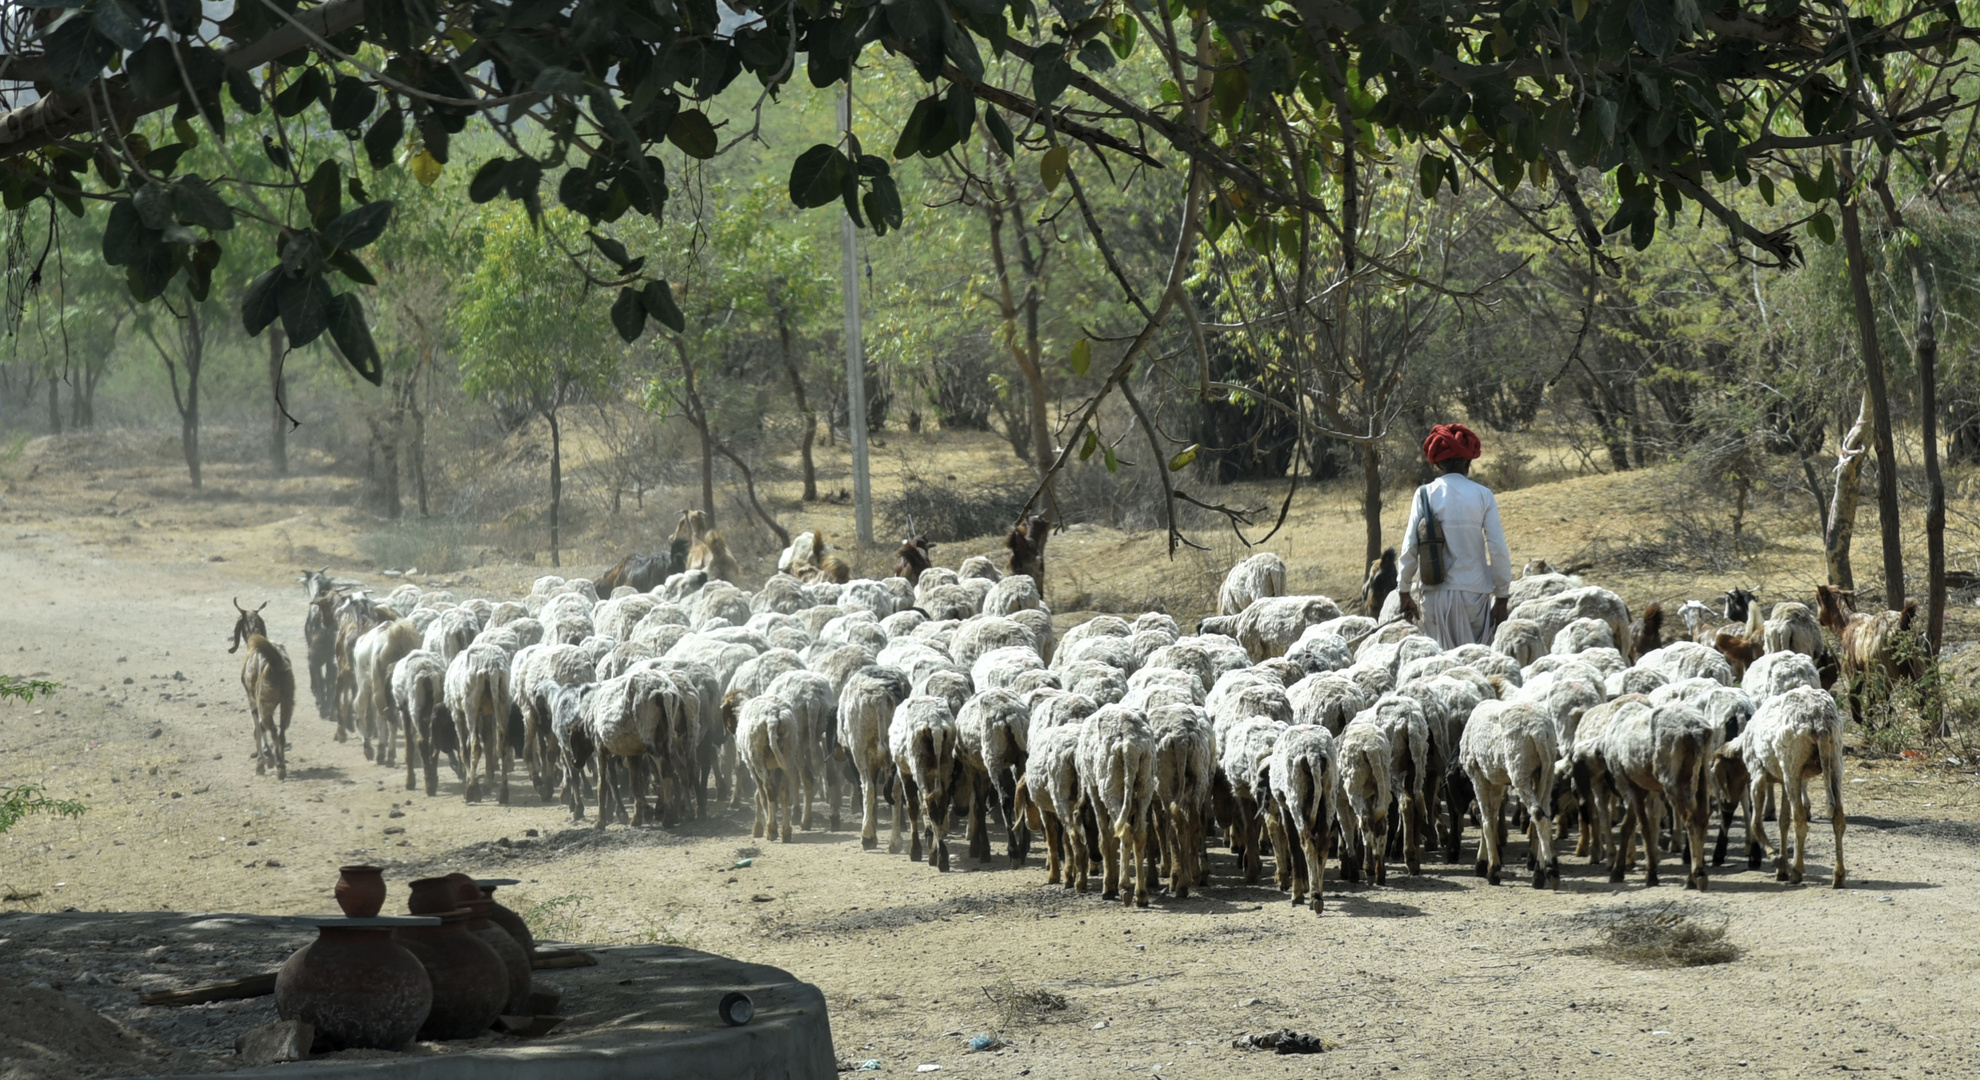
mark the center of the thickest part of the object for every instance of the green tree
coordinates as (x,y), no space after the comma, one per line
(534,331)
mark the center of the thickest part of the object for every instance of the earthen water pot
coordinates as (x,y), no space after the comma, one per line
(511,952)
(358,987)
(470,981)
(433,896)
(360,891)
(507,919)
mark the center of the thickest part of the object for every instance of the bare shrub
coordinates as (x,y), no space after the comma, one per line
(1662,937)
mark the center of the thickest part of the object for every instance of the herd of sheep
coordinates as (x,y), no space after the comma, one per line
(1283,726)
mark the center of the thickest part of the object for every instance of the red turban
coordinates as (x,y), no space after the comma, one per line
(1447,441)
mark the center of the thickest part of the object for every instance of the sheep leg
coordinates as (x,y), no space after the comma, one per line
(834,782)
(1054,840)
(1412,833)
(1458,797)
(1378,871)
(1491,837)
(1134,852)
(1173,861)
(1110,858)
(787,793)
(912,796)
(1796,800)
(607,798)
(869,792)
(895,802)
(1085,837)
(1275,832)
(1247,834)
(1647,823)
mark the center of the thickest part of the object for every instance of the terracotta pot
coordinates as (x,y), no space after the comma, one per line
(470,981)
(509,949)
(433,896)
(360,891)
(465,890)
(357,986)
(508,920)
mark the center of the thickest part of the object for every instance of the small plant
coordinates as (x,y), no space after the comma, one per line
(555,919)
(15,688)
(1663,937)
(29,799)
(1016,1005)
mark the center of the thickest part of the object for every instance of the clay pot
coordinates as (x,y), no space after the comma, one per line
(508,920)
(509,949)
(360,891)
(434,896)
(465,890)
(470,981)
(357,986)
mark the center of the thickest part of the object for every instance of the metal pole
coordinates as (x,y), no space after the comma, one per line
(855,360)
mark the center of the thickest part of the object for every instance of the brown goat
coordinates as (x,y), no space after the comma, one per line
(913,558)
(828,568)
(1649,632)
(1742,645)
(707,549)
(1379,583)
(642,572)
(1877,650)
(271,690)
(1027,544)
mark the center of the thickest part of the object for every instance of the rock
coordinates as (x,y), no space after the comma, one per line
(270,1044)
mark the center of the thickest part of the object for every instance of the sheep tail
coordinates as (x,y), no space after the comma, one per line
(1829,748)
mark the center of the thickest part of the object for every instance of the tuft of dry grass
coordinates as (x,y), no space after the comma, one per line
(1018,1006)
(1662,937)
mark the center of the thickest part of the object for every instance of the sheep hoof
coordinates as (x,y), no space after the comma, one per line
(1141,899)
(1415,866)
(1836,882)
(1481,869)
(1492,877)
(1795,878)
(1540,881)
(1650,881)
(868,843)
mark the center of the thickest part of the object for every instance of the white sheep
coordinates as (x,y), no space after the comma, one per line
(1255,578)
(1778,672)
(1348,627)
(1271,624)
(1305,774)
(1582,635)
(922,741)
(866,716)
(1052,708)
(1241,752)
(1689,660)
(815,705)
(1038,620)
(1101,682)
(419,690)
(1329,700)
(1412,767)
(994,728)
(1362,798)
(1792,627)
(985,633)
(1244,694)
(1319,649)
(1664,752)
(1556,611)
(770,744)
(1794,736)
(1582,764)
(478,698)
(535,671)
(1117,766)
(1511,745)
(1012,594)
(1187,658)
(1185,777)
(999,668)
(1539,586)
(449,633)
(1051,798)
(838,662)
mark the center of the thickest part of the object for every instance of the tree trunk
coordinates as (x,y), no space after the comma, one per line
(1935,486)
(556,484)
(749,487)
(1880,401)
(1371,499)
(278,385)
(86,415)
(1842,504)
(698,416)
(54,405)
(194,336)
(388,447)
(419,456)
(804,410)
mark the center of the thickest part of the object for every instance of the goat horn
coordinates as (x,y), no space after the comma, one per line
(237,605)
(264,604)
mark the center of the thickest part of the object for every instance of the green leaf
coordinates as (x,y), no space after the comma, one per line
(323,194)
(1052,167)
(1050,73)
(348,264)
(1182,460)
(1091,444)
(818,176)
(612,250)
(345,318)
(1826,185)
(1654,24)
(124,235)
(487,181)
(628,317)
(1113,463)
(1429,174)
(240,86)
(183,128)
(658,300)
(1170,92)
(1125,31)
(359,227)
(1767,189)
(304,303)
(909,142)
(1807,187)
(381,142)
(153,203)
(692,132)
(883,203)
(1823,228)
(258,307)
(1000,132)
(200,267)
(352,104)
(1082,356)
(195,202)
(75,54)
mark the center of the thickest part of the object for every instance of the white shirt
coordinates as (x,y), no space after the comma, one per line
(1470,517)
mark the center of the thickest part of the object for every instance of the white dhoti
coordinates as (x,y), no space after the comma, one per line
(1457,618)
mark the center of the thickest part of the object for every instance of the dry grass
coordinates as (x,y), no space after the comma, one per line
(1018,1006)
(1662,937)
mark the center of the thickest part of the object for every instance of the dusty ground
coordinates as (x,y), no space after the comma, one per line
(1434,975)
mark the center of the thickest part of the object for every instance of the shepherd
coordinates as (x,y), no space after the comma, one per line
(1455,572)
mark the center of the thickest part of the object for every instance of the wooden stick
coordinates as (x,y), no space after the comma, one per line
(252,986)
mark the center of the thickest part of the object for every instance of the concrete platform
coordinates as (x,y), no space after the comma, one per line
(643,1011)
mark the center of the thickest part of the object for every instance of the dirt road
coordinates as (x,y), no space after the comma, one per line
(1436,975)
